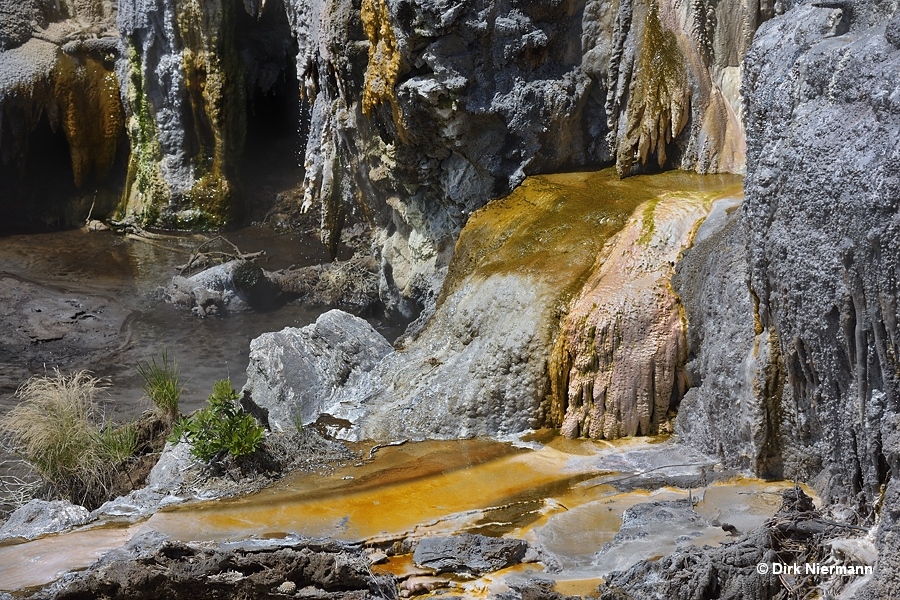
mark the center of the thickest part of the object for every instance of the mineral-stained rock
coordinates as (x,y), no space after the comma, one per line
(618,363)
(294,372)
(476,554)
(480,364)
(57,89)
(40,517)
(822,239)
(426,110)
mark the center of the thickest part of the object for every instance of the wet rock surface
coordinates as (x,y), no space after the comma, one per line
(619,358)
(721,413)
(40,517)
(470,553)
(797,534)
(152,567)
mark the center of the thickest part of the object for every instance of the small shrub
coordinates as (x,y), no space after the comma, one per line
(221,428)
(58,429)
(161,385)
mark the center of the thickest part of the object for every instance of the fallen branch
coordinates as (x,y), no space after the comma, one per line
(202,259)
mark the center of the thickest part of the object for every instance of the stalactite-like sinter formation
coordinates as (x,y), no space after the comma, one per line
(184,93)
(58,90)
(424,111)
(617,368)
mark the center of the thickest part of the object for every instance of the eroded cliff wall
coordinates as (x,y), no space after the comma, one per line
(60,115)
(423,111)
(812,389)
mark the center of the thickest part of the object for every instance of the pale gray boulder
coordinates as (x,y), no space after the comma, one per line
(41,517)
(293,373)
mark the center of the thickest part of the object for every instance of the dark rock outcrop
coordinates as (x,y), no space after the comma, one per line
(824,239)
(152,567)
(61,119)
(812,357)
(722,413)
(475,554)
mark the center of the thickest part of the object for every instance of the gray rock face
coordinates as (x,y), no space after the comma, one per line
(164,481)
(819,348)
(17,19)
(40,517)
(293,373)
(426,110)
(824,239)
(723,414)
(471,373)
(476,554)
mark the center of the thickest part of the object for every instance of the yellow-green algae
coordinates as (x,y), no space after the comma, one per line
(383,68)
(215,97)
(554,226)
(659,101)
(628,294)
(145,188)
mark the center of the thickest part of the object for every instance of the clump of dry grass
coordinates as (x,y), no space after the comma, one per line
(161,385)
(57,428)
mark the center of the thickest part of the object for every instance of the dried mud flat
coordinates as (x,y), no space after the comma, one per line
(43,325)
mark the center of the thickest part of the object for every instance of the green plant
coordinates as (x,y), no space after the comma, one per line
(161,385)
(220,428)
(58,429)
(118,444)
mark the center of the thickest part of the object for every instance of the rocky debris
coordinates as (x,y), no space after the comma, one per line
(797,534)
(241,285)
(150,566)
(351,285)
(177,477)
(294,372)
(40,517)
(533,589)
(471,553)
